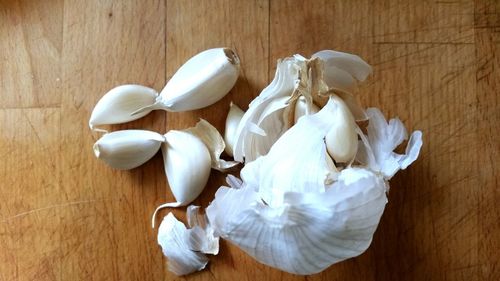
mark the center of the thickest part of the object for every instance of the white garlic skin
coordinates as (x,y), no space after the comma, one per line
(232,121)
(342,139)
(301,109)
(127,149)
(202,80)
(187,165)
(117,105)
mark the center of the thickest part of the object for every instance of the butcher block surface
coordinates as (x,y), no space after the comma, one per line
(64,215)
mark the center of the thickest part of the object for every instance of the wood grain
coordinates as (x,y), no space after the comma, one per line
(66,216)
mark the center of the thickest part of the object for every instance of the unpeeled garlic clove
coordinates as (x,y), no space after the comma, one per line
(128,149)
(232,121)
(201,81)
(117,105)
(342,139)
(187,166)
(303,108)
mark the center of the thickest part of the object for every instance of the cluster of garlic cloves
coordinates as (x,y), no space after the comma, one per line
(313,183)
(200,82)
(189,154)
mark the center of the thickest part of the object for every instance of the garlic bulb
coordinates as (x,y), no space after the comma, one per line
(232,121)
(187,166)
(342,139)
(117,105)
(201,81)
(127,149)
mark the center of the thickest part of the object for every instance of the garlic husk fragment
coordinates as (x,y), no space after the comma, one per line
(203,80)
(302,107)
(232,121)
(173,237)
(343,70)
(214,142)
(377,148)
(128,149)
(342,139)
(202,238)
(117,105)
(187,166)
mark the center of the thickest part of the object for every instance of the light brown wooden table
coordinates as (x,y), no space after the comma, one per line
(66,216)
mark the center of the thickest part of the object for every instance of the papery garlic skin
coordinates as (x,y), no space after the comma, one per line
(203,80)
(342,139)
(127,149)
(173,237)
(117,105)
(187,166)
(214,142)
(265,114)
(343,70)
(377,149)
(232,121)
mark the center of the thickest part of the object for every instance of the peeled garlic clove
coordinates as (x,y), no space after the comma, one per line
(117,105)
(127,149)
(214,142)
(342,139)
(232,121)
(201,81)
(187,166)
(302,108)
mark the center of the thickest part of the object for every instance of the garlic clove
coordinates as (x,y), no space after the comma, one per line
(127,149)
(117,105)
(187,166)
(303,108)
(214,142)
(174,239)
(342,139)
(343,70)
(201,81)
(232,121)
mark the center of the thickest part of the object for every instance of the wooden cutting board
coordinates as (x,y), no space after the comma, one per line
(66,216)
